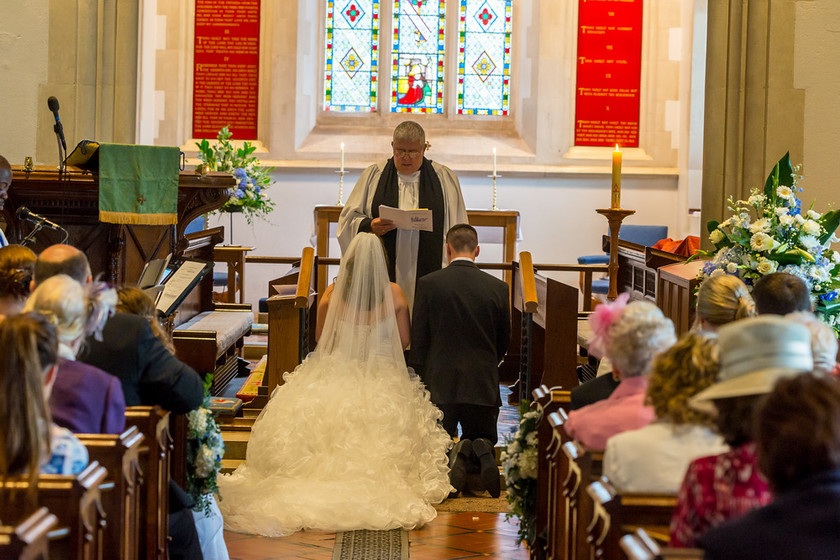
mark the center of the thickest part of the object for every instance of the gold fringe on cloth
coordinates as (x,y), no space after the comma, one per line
(132,218)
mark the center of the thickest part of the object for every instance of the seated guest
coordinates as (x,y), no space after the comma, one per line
(209,525)
(798,440)
(781,293)
(5,182)
(134,301)
(129,350)
(823,342)
(84,399)
(654,458)
(721,300)
(30,442)
(754,354)
(16,265)
(631,335)
(149,373)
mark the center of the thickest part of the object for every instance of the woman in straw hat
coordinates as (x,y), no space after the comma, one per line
(754,354)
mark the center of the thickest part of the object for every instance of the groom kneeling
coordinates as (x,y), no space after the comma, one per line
(460,332)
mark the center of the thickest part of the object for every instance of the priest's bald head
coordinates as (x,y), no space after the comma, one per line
(62,259)
(5,180)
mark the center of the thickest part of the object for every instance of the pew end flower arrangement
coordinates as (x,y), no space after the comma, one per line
(205,449)
(519,462)
(252,179)
(769,232)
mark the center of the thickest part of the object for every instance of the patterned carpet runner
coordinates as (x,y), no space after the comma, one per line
(371,545)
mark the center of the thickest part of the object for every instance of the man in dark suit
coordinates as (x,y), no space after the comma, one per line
(148,372)
(460,333)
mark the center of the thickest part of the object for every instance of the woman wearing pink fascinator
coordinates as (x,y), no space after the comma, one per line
(629,335)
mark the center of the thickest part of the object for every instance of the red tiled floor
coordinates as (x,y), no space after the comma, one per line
(451,536)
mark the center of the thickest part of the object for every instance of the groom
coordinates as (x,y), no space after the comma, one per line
(460,333)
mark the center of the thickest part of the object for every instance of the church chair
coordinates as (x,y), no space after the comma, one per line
(154,458)
(640,546)
(75,502)
(29,540)
(615,514)
(120,455)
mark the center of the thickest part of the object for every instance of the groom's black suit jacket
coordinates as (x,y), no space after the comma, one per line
(460,332)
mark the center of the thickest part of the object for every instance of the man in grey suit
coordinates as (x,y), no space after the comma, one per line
(460,333)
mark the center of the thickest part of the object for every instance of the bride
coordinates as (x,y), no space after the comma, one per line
(351,440)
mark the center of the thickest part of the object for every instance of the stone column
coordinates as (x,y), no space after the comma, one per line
(753,113)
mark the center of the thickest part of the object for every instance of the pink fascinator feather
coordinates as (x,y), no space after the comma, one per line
(604,316)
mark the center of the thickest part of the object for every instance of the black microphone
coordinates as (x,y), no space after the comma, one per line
(23,213)
(52,103)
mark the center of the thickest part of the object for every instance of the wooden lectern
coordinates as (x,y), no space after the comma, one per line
(117,253)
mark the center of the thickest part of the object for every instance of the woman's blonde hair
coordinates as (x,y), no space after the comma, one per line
(681,372)
(29,346)
(74,309)
(134,301)
(723,299)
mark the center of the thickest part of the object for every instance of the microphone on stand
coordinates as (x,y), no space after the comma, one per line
(24,213)
(58,128)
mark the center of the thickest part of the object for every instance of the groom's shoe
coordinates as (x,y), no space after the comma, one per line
(486,455)
(458,458)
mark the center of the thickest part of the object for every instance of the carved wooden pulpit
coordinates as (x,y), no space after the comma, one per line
(117,252)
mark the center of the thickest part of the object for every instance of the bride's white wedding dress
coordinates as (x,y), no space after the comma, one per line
(351,440)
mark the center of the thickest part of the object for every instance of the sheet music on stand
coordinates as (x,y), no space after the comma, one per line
(180,282)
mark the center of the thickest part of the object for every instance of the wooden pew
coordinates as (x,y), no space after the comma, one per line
(120,455)
(154,459)
(29,539)
(558,524)
(546,402)
(289,327)
(74,500)
(615,515)
(639,546)
(583,465)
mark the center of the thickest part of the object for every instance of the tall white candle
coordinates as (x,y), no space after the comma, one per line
(342,157)
(494,161)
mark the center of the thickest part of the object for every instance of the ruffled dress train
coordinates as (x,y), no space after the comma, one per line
(342,445)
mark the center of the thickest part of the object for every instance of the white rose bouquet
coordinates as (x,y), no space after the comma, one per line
(519,461)
(205,449)
(769,232)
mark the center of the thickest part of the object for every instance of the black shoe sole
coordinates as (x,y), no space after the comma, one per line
(489,471)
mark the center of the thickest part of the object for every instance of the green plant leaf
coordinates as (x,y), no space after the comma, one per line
(830,221)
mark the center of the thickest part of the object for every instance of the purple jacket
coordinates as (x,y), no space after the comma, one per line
(86,400)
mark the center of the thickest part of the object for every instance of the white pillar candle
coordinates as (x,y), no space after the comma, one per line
(342,157)
(494,161)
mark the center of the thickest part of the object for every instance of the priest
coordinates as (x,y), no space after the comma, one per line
(407,181)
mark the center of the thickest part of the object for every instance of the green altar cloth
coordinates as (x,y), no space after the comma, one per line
(138,184)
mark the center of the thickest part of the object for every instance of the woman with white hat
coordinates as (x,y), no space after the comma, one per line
(754,354)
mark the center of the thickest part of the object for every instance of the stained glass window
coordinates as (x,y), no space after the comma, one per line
(418,56)
(484,28)
(352,40)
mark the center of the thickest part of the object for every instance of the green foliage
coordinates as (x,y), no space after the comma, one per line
(252,179)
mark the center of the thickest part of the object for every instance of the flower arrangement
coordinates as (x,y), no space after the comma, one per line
(205,449)
(769,232)
(519,461)
(252,179)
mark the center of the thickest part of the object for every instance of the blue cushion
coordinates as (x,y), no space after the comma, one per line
(601,286)
(643,235)
(263,305)
(594,259)
(220,279)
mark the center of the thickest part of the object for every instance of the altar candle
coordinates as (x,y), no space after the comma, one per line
(494,161)
(342,157)
(616,178)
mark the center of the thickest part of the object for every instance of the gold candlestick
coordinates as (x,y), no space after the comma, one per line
(494,176)
(614,217)
(340,187)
